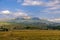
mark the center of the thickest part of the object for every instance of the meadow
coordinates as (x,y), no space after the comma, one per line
(30,35)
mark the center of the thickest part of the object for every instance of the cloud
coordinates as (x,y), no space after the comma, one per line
(5,12)
(54,20)
(10,14)
(17,14)
(21,14)
(40,2)
(52,6)
(32,2)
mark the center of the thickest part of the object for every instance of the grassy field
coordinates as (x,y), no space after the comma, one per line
(31,35)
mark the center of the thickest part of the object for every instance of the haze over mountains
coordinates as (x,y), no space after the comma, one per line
(30,20)
(30,23)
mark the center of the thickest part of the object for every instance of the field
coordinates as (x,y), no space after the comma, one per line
(31,35)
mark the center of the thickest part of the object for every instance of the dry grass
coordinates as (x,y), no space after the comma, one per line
(31,35)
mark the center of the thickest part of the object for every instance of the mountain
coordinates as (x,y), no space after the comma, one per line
(33,22)
(35,18)
(30,20)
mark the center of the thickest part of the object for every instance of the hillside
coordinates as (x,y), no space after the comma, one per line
(21,23)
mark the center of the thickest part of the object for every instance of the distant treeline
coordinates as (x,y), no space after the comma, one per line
(29,27)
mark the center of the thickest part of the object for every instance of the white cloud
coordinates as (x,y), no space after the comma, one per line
(40,2)
(9,14)
(5,12)
(20,14)
(51,5)
(32,2)
(27,17)
(54,20)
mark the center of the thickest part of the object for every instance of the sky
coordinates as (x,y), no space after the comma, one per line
(45,9)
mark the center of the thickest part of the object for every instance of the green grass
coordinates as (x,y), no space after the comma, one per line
(31,35)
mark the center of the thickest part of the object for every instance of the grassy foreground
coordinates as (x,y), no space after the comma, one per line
(31,35)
